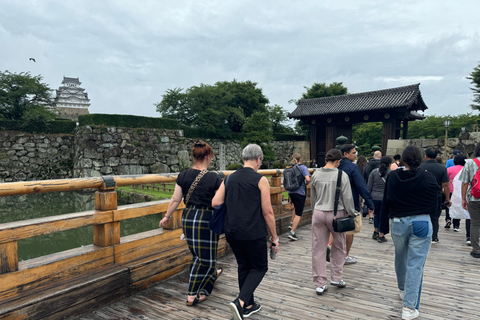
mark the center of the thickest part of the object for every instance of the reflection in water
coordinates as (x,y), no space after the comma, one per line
(24,207)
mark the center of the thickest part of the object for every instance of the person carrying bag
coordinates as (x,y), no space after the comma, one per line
(331,199)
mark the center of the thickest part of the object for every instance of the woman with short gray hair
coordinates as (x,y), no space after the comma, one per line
(248,217)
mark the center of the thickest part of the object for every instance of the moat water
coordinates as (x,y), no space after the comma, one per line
(25,207)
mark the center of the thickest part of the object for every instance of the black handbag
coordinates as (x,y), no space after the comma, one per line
(343,224)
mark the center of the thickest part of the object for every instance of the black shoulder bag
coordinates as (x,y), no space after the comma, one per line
(343,224)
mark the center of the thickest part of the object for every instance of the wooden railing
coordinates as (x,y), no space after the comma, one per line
(110,269)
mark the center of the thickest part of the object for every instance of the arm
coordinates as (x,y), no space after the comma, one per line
(464,195)
(370,183)
(362,188)
(313,195)
(267,210)
(446,192)
(347,198)
(219,197)
(173,205)
(307,179)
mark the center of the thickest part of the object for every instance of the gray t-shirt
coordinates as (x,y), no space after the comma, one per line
(466,176)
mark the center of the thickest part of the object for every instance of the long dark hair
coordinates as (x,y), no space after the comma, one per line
(412,157)
(385,163)
(361,162)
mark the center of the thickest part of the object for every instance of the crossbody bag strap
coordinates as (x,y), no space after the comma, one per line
(194,185)
(337,192)
(383,178)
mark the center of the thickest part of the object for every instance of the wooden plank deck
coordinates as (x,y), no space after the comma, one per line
(451,287)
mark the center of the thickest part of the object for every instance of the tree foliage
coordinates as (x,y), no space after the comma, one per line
(278,118)
(221,108)
(320,90)
(24,97)
(475,80)
(432,126)
(367,135)
(258,129)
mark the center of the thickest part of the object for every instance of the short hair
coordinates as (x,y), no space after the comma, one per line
(252,152)
(346,148)
(397,157)
(431,152)
(296,157)
(477,150)
(377,154)
(200,150)
(439,159)
(459,160)
(333,155)
(412,157)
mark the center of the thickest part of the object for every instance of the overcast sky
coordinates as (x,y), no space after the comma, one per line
(128,53)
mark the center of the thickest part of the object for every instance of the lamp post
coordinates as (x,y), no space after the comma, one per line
(446,123)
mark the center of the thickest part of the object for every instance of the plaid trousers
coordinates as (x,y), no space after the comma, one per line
(203,244)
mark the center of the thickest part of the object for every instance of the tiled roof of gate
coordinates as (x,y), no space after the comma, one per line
(400,97)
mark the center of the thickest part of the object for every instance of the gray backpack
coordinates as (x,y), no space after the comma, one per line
(292,178)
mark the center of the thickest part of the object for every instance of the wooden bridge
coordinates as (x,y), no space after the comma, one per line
(451,286)
(106,280)
(72,282)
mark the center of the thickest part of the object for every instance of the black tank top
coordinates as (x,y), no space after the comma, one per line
(244,219)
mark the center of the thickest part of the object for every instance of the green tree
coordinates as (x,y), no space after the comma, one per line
(258,129)
(278,117)
(366,135)
(320,90)
(222,108)
(24,97)
(475,80)
(432,126)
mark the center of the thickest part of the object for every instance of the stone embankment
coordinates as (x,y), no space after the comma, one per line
(98,150)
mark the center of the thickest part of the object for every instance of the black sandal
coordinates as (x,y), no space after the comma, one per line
(192,303)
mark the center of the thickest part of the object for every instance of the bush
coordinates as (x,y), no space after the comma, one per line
(57,126)
(234,166)
(279,165)
(288,137)
(129,121)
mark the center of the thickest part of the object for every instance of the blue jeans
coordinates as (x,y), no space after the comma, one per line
(412,238)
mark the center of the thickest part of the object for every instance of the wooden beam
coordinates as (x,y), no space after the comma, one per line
(106,234)
(8,257)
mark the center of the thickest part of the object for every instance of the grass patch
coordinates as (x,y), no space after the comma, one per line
(158,195)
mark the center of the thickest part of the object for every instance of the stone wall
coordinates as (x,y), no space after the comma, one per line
(465,143)
(25,156)
(97,150)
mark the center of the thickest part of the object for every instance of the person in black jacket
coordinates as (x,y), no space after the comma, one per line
(410,198)
(372,164)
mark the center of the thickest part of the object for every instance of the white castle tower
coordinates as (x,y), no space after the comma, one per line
(71,100)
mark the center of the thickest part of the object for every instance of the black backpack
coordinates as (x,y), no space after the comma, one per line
(292,178)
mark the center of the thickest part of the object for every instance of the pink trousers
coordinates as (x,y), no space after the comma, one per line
(321,229)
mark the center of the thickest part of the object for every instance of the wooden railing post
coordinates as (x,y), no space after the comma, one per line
(106,234)
(175,221)
(8,257)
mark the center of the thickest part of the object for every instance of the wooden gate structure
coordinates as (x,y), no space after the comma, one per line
(331,117)
(69,283)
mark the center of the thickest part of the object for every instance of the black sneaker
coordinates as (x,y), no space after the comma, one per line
(237,309)
(475,255)
(370,220)
(382,239)
(375,235)
(292,236)
(448,224)
(254,309)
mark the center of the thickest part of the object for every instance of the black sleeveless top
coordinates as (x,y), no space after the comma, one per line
(205,190)
(244,219)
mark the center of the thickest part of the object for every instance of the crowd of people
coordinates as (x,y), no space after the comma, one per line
(405,195)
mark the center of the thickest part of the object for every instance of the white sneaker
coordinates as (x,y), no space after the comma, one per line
(350,260)
(408,314)
(401,293)
(456,229)
(340,284)
(320,290)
